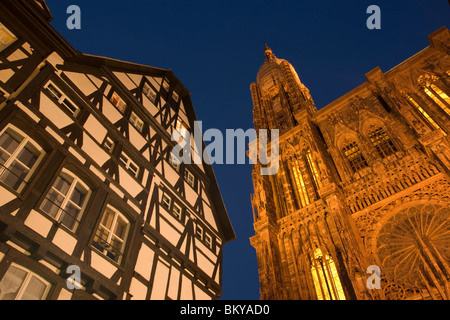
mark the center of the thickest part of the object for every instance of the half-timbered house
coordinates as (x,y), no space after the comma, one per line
(87,179)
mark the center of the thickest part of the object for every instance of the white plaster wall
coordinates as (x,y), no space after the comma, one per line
(102,265)
(144,262)
(138,290)
(38,223)
(81,81)
(186,289)
(6,196)
(95,129)
(52,112)
(173,284)
(65,241)
(160,282)
(128,183)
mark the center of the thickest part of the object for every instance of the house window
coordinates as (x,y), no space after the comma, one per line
(111,234)
(118,102)
(149,92)
(66,200)
(382,142)
(6,37)
(354,157)
(182,129)
(62,99)
(208,240)
(166,84)
(19,283)
(109,144)
(326,278)
(175,96)
(177,211)
(129,164)
(199,232)
(190,179)
(166,201)
(174,162)
(136,122)
(19,157)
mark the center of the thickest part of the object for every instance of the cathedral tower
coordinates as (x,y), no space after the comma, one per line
(360,185)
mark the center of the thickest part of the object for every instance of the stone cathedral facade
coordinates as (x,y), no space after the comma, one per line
(87,180)
(363,183)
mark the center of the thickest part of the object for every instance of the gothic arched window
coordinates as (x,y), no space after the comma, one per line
(354,156)
(439,97)
(313,169)
(326,278)
(300,184)
(424,114)
(382,142)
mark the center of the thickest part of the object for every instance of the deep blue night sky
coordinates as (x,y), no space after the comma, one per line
(216,48)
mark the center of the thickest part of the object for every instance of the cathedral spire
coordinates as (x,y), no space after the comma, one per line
(268,53)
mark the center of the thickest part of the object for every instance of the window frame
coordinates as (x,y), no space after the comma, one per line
(166,205)
(26,140)
(136,122)
(208,240)
(75,181)
(175,96)
(199,232)
(166,84)
(11,34)
(62,99)
(109,148)
(182,129)
(381,141)
(128,164)
(178,216)
(176,166)
(29,275)
(187,175)
(118,104)
(118,253)
(149,92)
(353,162)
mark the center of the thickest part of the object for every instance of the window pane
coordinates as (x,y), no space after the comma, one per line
(71,210)
(55,92)
(101,235)
(121,228)
(8,143)
(35,290)
(70,106)
(14,175)
(149,92)
(11,283)
(3,157)
(123,159)
(28,156)
(108,218)
(69,216)
(116,244)
(52,203)
(62,185)
(78,196)
(166,202)
(177,211)
(133,169)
